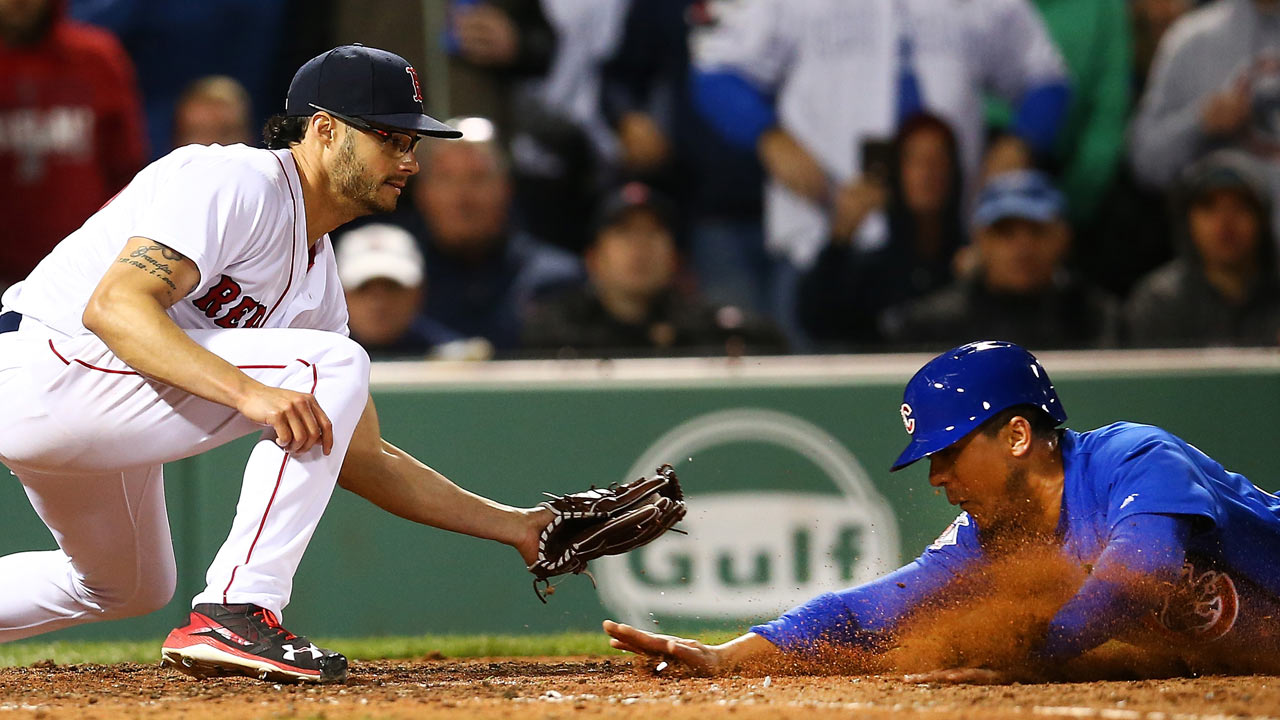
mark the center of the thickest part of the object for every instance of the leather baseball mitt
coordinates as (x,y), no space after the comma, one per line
(604,521)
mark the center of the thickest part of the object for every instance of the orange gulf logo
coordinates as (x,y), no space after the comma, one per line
(417,87)
(907,421)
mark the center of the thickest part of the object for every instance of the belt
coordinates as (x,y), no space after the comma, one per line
(9,321)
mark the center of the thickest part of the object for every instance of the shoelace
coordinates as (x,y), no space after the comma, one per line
(269,619)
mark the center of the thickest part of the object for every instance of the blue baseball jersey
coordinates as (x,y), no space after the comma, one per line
(1134,497)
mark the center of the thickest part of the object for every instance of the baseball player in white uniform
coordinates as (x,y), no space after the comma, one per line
(835,67)
(200,305)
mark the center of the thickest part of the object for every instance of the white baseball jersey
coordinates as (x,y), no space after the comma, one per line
(236,212)
(833,65)
(88,435)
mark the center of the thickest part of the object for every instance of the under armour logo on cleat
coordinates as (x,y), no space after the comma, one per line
(291,652)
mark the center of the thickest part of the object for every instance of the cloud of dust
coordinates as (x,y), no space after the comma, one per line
(994,617)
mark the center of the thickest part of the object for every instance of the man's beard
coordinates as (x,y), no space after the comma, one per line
(353,183)
(1017,527)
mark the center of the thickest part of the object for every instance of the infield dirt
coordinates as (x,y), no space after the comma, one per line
(605,687)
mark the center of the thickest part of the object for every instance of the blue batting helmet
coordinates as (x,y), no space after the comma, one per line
(960,389)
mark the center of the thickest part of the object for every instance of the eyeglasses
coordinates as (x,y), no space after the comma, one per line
(399,142)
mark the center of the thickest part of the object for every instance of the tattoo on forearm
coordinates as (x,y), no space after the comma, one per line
(159,266)
(149,270)
(156,269)
(167,252)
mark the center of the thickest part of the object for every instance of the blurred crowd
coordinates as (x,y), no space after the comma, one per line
(722,177)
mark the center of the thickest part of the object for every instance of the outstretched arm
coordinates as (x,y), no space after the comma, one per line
(701,658)
(856,617)
(393,480)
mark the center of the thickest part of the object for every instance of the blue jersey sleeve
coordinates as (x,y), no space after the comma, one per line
(1157,475)
(1040,115)
(863,616)
(1142,549)
(733,106)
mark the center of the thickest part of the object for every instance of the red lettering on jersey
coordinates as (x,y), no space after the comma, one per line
(247,313)
(417,87)
(238,313)
(219,295)
(259,317)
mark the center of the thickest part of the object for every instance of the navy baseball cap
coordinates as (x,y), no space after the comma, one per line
(631,196)
(1022,194)
(374,85)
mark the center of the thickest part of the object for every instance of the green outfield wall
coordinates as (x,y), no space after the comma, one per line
(784,463)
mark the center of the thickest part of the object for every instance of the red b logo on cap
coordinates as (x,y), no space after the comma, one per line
(417,88)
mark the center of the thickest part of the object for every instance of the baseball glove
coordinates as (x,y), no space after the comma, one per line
(604,521)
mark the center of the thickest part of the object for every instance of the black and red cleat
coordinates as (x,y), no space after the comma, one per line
(247,640)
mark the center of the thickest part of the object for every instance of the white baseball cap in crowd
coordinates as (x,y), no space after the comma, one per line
(376,251)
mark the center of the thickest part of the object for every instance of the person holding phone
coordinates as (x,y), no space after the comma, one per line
(894,232)
(805,83)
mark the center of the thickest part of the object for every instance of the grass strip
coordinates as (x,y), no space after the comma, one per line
(367,648)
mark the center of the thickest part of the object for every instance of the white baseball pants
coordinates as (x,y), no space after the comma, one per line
(88,438)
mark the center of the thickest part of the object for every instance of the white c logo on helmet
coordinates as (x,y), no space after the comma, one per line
(908,421)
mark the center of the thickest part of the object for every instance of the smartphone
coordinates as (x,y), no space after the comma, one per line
(876,155)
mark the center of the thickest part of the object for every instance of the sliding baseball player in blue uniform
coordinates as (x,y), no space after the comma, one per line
(1169,538)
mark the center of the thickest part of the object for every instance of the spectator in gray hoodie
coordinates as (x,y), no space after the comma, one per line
(1224,289)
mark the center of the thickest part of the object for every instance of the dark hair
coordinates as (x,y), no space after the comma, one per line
(902,222)
(1231,171)
(281,131)
(1042,425)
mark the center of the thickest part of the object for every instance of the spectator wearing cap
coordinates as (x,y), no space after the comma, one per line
(1021,288)
(631,305)
(1223,289)
(382,275)
(485,272)
(814,86)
